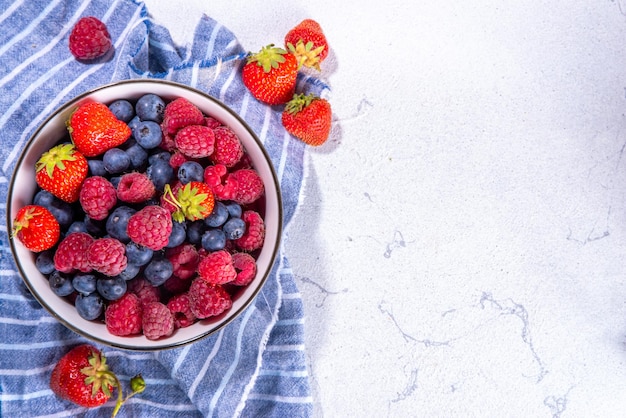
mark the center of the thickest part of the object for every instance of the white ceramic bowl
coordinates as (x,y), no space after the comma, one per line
(23,188)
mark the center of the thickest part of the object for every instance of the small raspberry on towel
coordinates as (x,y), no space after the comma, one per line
(228,148)
(89,39)
(151,227)
(207,299)
(245,265)
(97,197)
(184,259)
(124,316)
(249,186)
(254,236)
(71,254)
(180,307)
(144,290)
(195,141)
(180,113)
(135,188)
(107,256)
(223,183)
(217,268)
(157,321)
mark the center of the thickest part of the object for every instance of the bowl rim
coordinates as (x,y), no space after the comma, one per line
(156,346)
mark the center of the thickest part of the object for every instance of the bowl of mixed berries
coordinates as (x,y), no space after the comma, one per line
(144,214)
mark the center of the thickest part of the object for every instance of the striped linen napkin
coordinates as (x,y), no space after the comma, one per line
(256,366)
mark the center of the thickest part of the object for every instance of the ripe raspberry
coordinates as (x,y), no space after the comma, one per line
(123,316)
(107,256)
(144,291)
(71,254)
(208,300)
(167,143)
(249,186)
(228,148)
(245,265)
(180,307)
(157,321)
(223,183)
(97,197)
(177,159)
(151,227)
(184,259)
(254,236)
(211,122)
(217,268)
(180,113)
(175,285)
(195,141)
(89,39)
(135,188)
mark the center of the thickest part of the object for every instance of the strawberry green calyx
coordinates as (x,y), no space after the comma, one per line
(307,55)
(299,102)
(191,203)
(98,375)
(56,157)
(269,57)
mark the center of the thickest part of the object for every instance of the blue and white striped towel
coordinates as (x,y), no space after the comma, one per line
(255,366)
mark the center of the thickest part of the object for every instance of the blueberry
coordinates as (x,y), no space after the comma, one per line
(111,288)
(43,198)
(234,209)
(160,173)
(77,226)
(218,216)
(130,272)
(94,227)
(62,211)
(60,284)
(118,221)
(137,254)
(115,180)
(150,107)
(138,156)
(96,167)
(123,110)
(190,171)
(213,240)
(159,155)
(177,236)
(116,161)
(45,262)
(234,228)
(148,134)
(158,271)
(195,230)
(89,307)
(133,122)
(84,283)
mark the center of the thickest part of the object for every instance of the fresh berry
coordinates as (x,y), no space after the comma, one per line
(89,307)
(138,157)
(36,228)
(60,283)
(77,226)
(208,300)
(254,236)
(195,141)
(135,187)
(107,256)
(175,285)
(223,184)
(130,272)
(158,270)
(158,321)
(180,307)
(138,255)
(214,240)
(245,265)
(160,173)
(115,161)
(111,288)
(178,235)
(178,159)
(73,253)
(234,209)
(123,110)
(45,262)
(270,75)
(150,107)
(62,211)
(123,316)
(117,223)
(84,283)
(193,201)
(228,148)
(249,186)
(190,171)
(148,134)
(308,43)
(184,259)
(144,290)
(211,122)
(96,168)
(308,117)
(218,217)
(89,39)
(217,268)
(151,227)
(234,228)
(97,197)
(194,232)
(179,113)
(61,171)
(94,129)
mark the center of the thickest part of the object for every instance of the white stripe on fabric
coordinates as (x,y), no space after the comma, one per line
(27,372)
(168,407)
(229,80)
(53,42)
(53,104)
(23,34)
(266,124)
(10,10)
(285,347)
(282,399)
(297,295)
(195,70)
(161,45)
(10,297)
(288,322)
(283,157)
(27,322)
(3,179)
(205,366)
(7,397)
(137,357)
(233,365)
(36,346)
(284,373)
(212,39)
(180,359)
(67,413)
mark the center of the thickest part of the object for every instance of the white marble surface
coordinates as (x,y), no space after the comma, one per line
(460,245)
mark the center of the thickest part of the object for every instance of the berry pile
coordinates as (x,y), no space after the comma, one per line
(148,216)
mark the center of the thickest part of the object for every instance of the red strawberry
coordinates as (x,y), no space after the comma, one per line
(36,227)
(95,129)
(308,118)
(308,43)
(270,75)
(82,376)
(89,39)
(61,171)
(193,201)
